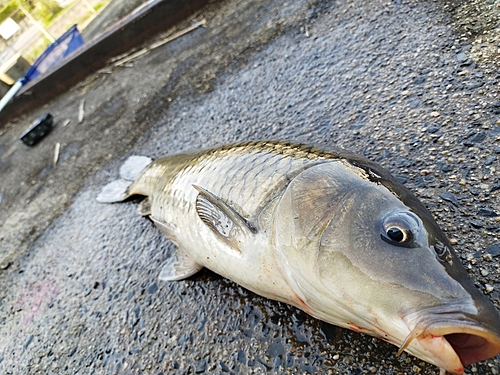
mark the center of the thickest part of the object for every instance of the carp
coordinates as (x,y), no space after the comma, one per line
(324,230)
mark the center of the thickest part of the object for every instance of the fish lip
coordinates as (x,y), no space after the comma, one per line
(463,338)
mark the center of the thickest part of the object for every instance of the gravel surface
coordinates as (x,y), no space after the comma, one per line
(397,81)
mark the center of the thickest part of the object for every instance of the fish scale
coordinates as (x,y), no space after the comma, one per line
(264,172)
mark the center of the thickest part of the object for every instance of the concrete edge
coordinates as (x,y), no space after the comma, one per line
(142,24)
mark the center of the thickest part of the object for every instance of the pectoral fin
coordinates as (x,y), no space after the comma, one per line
(223,220)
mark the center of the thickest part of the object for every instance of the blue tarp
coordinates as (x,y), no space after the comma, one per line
(70,41)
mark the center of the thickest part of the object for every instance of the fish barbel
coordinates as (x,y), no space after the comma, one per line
(327,231)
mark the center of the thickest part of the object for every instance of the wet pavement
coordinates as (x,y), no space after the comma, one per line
(397,81)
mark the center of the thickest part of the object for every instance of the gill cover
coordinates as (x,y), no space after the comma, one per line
(355,252)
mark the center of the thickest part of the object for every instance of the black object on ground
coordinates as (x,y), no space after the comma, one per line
(39,129)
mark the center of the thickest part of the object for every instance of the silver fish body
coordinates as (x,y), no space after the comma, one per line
(324,230)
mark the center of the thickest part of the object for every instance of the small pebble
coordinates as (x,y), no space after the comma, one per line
(487,212)
(495,187)
(494,249)
(201,366)
(28,342)
(475,138)
(224,367)
(490,159)
(461,57)
(72,351)
(153,288)
(449,197)
(488,288)
(242,357)
(477,223)
(475,191)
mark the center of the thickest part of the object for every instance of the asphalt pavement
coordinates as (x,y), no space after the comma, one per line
(404,83)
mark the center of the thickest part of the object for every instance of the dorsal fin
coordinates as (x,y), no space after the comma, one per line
(223,220)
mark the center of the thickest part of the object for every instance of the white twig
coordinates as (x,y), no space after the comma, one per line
(122,60)
(131,57)
(196,24)
(56,153)
(81,111)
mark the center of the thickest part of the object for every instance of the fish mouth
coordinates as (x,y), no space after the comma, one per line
(471,347)
(453,343)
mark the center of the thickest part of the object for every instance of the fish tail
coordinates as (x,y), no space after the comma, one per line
(130,171)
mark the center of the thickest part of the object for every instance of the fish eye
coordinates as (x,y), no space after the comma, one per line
(400,228)
(398,234)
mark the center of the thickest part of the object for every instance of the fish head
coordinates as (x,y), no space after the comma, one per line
(361,251)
